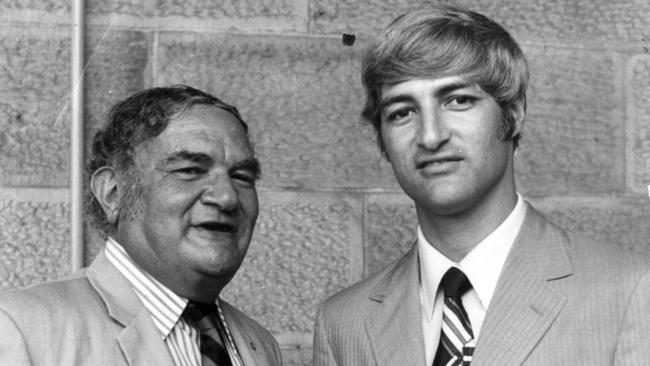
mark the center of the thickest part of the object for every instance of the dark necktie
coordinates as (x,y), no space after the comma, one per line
(204,317)
(456,337)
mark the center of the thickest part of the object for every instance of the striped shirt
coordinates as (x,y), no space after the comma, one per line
(166,308)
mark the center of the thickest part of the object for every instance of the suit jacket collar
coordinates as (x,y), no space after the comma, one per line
(525,301)
(139,340)
(394,320)
(524,305)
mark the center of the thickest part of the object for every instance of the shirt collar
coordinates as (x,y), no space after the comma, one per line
(162,303)
(482,265)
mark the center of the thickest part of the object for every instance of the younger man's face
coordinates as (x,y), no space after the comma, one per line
(441,136)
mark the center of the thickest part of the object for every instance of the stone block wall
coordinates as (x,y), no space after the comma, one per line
(331,212)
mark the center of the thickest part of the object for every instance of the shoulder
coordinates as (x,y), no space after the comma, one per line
(597,259)
(610,260)
(353,296)
(355,299)
(59,301)
(52,293)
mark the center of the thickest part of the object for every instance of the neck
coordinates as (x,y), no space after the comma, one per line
(455,235)
(199,288)
(200,292)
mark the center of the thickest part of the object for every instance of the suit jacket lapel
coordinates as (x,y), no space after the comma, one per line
(140,340)
(142,344)
(525,302)
(242,340)
(394,321)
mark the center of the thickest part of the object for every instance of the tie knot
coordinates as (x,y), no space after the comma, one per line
(197,311)
(455,283)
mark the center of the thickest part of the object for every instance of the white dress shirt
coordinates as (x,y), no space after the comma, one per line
(165,307)
(482,266)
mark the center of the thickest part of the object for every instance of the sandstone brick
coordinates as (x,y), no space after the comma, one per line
(247,15)
(296,355)
(573,137)
(618,221)
(367,17)
(34,114)
(564,21)
(638,148)
(34,240)
(38,11)
(117,61)
(304,248)
(35,117)
(302,99)
(390,229)
(586,21)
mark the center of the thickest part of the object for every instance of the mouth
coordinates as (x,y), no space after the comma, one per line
(218,227)
(435,162)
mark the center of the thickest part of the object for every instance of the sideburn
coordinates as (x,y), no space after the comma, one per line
(507,127)
(131,201)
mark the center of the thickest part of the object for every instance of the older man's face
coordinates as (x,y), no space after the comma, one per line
(198,202)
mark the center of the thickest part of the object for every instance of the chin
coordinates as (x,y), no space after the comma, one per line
(222,266)
(222,273)
(447,207)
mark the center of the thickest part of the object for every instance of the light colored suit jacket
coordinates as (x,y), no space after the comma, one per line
(95,318)
(561,299)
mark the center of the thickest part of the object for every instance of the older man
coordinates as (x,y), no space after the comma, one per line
(173,188)
(489,280)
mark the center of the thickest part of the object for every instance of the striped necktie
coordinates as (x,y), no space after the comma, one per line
(456,337)
(204,317)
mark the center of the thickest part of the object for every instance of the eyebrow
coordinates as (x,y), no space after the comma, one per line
(185,155)
(251,164)
(404,97)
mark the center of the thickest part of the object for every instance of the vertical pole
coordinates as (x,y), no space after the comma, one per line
(76,137)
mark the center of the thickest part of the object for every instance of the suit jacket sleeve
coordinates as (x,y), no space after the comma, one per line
(633,347)
(322,352)
(13,350)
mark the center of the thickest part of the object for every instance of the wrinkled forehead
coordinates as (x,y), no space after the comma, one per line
(202,129)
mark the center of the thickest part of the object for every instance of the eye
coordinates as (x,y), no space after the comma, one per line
(461,102)
(246,178)
(189,172)
(400,114)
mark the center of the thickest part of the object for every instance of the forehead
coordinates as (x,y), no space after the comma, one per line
(427,85)
(203,129)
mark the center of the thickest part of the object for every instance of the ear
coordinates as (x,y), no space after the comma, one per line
(518,112)
(104,185)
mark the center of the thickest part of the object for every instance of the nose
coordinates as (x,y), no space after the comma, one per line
(220,192)
(433,130)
